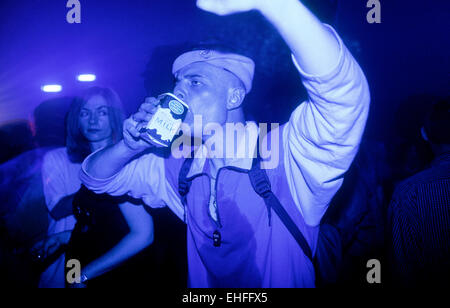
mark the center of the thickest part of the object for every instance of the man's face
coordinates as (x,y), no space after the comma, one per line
(205,88)
(94,120)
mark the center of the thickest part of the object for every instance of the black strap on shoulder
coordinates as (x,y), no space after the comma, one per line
(262,187)
(183,184)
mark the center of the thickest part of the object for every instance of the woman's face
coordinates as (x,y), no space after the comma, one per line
(94,120)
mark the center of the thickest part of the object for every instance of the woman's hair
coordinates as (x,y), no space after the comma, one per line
(77,145)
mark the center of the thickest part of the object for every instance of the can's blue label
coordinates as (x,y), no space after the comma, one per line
(176,107)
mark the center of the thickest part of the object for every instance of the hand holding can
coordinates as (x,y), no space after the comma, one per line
(145,113)
(165,123)
(132,125)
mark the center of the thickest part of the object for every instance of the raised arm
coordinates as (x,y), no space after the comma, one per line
(110,160)
(312,44)
(323,134)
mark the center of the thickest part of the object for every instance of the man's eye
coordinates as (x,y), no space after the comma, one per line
(196,83)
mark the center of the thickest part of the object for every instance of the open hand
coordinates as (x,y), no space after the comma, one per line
(226,7)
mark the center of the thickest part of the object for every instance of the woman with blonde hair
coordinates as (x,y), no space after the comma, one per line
(93,122)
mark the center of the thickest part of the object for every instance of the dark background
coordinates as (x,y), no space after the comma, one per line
(130,45)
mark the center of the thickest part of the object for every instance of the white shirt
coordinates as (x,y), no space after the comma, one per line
(320,141)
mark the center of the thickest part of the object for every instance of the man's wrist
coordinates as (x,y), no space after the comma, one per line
(127,150)
(271,9)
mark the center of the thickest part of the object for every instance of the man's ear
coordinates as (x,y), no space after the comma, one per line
(235,98)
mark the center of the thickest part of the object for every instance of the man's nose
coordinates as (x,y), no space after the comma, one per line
(180,92)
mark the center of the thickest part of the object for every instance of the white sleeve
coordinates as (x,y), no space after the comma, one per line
(323,134)
(142,178)
(54,177)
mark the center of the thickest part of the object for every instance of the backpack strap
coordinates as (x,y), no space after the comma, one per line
(183,184)
(261,184)
(262,187)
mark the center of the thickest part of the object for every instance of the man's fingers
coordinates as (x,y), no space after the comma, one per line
(133,125)
(140,126)
(145,113)
(139,116)
(142,116)
(149,104)
(212,6)
(225,7)
(146,110)
(129,127)
(204,5)
(132,130)
(151,100)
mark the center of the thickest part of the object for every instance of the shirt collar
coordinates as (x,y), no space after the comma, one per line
(243,156)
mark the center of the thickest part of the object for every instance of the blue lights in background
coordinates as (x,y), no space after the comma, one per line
(86,77)
(55,88)
(51,88)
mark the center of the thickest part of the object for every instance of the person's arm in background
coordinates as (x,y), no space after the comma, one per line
(54,181)
(140,236)
(406,256)
(48,246)
(322,137)
(58,203)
